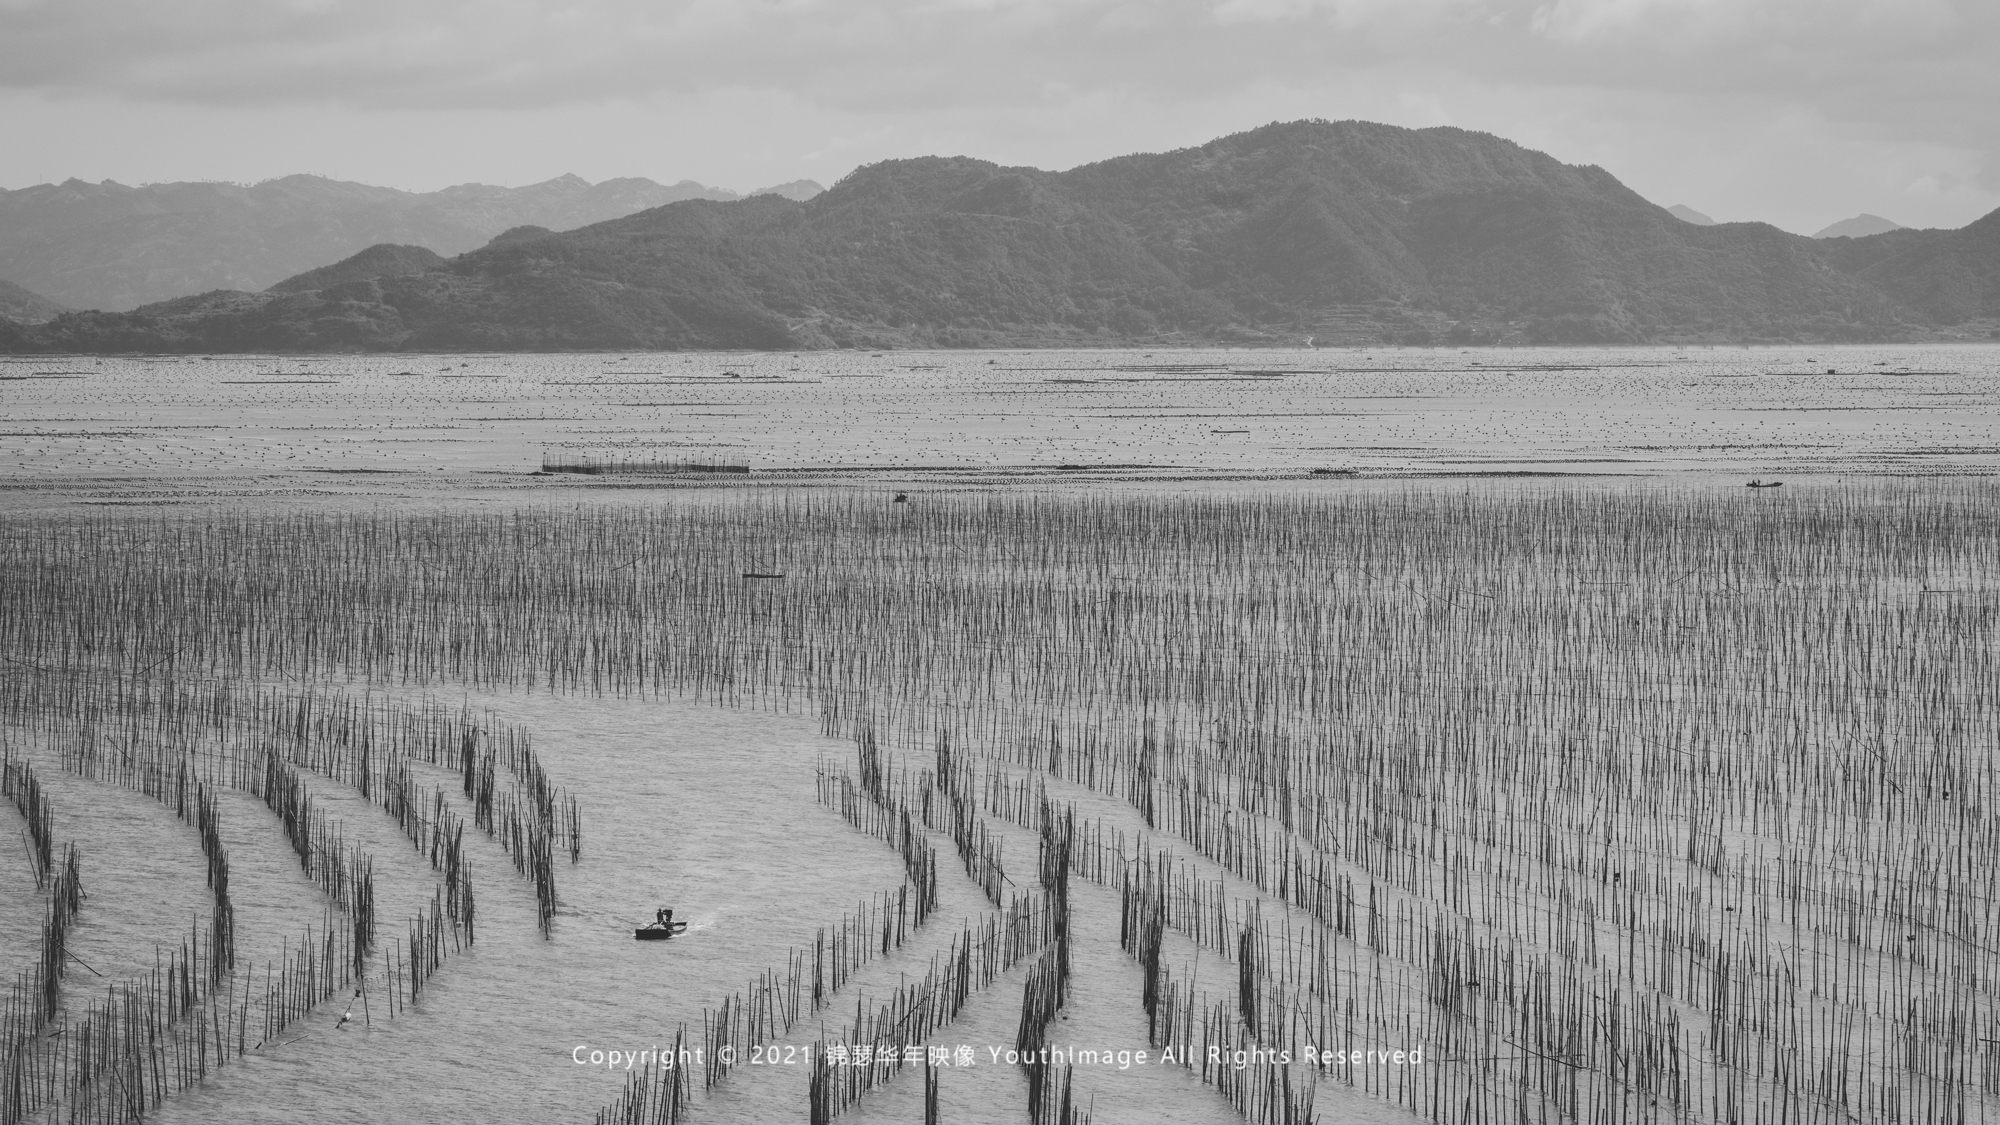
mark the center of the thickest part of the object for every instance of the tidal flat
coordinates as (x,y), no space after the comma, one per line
(1519,765)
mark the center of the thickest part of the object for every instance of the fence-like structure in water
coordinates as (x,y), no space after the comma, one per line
(1660,807)
(640,466)
(112,1059)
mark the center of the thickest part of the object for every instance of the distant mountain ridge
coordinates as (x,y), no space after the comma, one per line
(109,246)
(25,307)
(798,191)
(1943,277)
(1348,232)
(1860,226)
(1688,214)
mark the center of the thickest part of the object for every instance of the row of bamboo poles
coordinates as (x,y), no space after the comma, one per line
(878,1044)
(19,785)
(1717,775)
(1046,991)
(882,1040)
(179,748)
(661,1091)
(114,1058)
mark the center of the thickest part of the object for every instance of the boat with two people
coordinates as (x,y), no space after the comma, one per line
(662,927)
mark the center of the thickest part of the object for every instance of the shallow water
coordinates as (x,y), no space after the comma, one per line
(713,810)
(392,424)
(142,872)
(707,808)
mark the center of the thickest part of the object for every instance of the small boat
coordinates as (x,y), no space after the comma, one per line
(657,932)
(1765,484)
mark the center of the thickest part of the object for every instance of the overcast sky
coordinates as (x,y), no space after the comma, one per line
(1795,112)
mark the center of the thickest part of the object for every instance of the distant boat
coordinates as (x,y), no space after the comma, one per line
(1765,484)
(657,932)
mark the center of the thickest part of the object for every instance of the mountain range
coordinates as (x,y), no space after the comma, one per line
(109,246)
(25,307)
(1860,226)
(1349,232)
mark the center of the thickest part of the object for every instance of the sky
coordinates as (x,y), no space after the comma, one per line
(1794,112)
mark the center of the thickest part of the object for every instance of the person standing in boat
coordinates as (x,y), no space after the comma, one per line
(665,916)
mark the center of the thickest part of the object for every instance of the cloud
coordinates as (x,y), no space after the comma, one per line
(1721,22)
(390,53)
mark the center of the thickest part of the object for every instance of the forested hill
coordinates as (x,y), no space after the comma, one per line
(1347,231)
(18,304)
